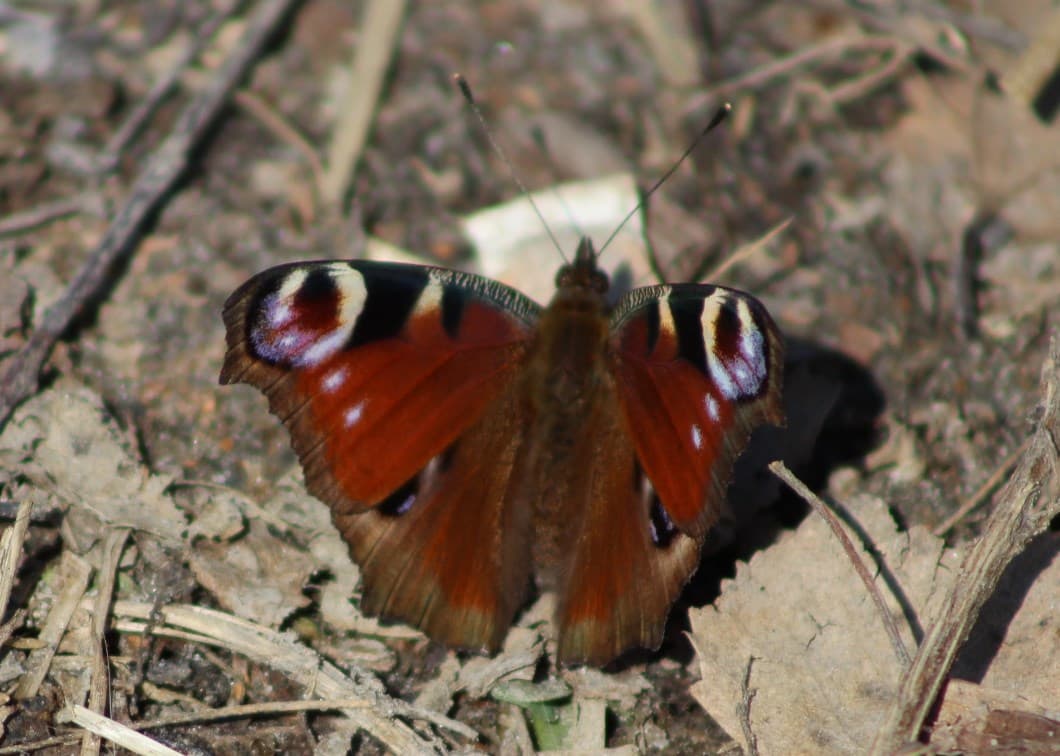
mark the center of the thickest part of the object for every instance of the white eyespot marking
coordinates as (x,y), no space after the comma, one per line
(353,415)
(278,306)
(711,405)
(752,349)
(352,293)
(697,437)
(430,298)
(334,379)
(738,374)
(305,332)
(666,319)
(709,325)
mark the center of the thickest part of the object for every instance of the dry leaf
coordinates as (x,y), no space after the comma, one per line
(823,669)
(65,442)
(259,577)
(512,242)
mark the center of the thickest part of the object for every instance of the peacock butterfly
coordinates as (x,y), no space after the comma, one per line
(470,442)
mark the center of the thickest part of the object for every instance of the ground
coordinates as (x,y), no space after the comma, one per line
(913,152)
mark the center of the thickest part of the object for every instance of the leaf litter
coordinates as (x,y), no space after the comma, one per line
(132,434)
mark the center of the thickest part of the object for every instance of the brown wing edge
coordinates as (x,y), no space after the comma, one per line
(457,564)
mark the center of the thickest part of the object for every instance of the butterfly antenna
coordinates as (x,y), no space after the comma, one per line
(721,115)
(465,89)
(538,135)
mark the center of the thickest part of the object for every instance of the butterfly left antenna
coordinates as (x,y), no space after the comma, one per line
(465,89)
(721,115)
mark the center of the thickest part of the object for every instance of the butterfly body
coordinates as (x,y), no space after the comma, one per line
(471,443)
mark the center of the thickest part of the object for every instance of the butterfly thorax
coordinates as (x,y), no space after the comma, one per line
(565,380)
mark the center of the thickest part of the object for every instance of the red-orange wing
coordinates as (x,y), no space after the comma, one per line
(396,384)
(697,368)
(692,370)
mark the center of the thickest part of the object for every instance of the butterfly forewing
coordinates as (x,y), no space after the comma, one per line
(697,368)
(375,368)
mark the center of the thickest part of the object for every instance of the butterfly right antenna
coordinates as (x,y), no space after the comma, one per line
(721,115)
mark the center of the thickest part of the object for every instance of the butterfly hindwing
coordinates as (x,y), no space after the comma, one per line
(624,570)
(698,367)
(691,369)
(449,552)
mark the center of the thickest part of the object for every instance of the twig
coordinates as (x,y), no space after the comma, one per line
(301,664)
(38,745)
(996,479)
(251,710)
(859,86)
(747,250)
(149,190)
(108,157)
(779,469)
(376,42)
(1025,506)
(46,212)
(97,692)
(256,106)
(747,695)
(788,64)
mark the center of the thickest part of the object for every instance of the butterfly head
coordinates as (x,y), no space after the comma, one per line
(583,273)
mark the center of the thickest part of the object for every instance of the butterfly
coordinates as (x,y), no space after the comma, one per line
(472,444)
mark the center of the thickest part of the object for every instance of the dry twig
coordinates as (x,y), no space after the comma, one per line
(100,726)
(376,43)
(746,697)
(996,479)
(149,190)
(108,158)
(781,471)
(301,664)
(97,692)
(1025,506)
(74,574)
(11,551)
(46,212)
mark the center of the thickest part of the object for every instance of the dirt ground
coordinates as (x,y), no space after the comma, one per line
(915,152)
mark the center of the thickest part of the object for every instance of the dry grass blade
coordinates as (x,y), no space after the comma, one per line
(672,43)
(159,174)
(981,493)
(781,471)
(747,250)
(73,576)
(377,41)
(1025,506)
(318,676)
(254,710)
(117,733)
(10,551)
(97,694)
